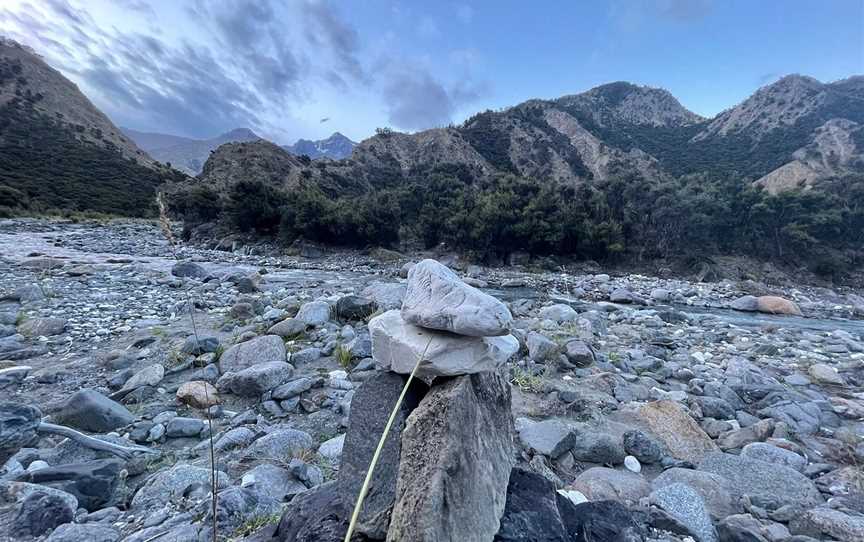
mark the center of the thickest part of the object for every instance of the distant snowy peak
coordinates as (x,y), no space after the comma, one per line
(337,147)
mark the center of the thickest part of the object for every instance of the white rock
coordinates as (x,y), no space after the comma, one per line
(576,497)
(397,345)
(332,449)
(436,298)
(148,376)
(632,464)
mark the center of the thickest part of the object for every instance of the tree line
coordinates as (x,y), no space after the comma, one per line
(621,218)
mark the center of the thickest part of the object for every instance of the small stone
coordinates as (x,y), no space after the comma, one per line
(180,427)
(198,394)
(632,464)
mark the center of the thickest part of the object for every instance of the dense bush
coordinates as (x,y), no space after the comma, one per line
(690,217)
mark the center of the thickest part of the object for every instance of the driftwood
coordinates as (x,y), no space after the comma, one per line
(124,452)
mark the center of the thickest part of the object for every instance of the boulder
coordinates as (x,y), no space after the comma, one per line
(558,313)
(822,521)
(331,449)
(769,481)
(257,379)
(623,295)
(151,375)
(38,327)
(777,305)
(171,485)
(198,394)
(258,350)
(579,353)
(40,513)
(387,295)
(370,409)
(84,532)
(314,313)
(602,483)
(352,307)
(180,427)
(680,434)
(189,270)
(593,445)
(397,345)
(747,303)
(288,328)
(201,345)
(686,505)
(548,437)
(542,349)
(609,521)
(715,490)
(18,425)
(774,454)
(280,445)
(643,447)
(93,483)
(826,374)
(457,447)
(436,298)
(271,480)
(531,510)
(316,515)
(89,410)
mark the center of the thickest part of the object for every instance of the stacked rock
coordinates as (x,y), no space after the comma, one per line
(455,328)
(444,469)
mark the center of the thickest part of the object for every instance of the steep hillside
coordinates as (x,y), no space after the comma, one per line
(27,77)
(337,147)
(58,152)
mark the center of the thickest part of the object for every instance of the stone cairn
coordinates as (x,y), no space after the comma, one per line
(443,472)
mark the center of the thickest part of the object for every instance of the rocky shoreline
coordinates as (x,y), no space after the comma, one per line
(643,405)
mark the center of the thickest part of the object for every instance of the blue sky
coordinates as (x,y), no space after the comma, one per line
(306,68)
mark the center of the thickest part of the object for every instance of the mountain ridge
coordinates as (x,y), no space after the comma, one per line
(189,154)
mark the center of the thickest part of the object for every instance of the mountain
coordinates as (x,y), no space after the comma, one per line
(620,172)
(58,151)
(186,154)
(795,132)
(337,147)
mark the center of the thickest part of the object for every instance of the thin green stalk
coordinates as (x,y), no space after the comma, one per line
(365,489)
(165,224)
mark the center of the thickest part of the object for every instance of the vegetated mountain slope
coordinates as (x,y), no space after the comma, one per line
(28,77)
(185,154)
(626,130)
(58,152)
(337,147)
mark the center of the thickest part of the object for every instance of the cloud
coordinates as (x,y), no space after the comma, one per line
(249,63)
(416,100)
(631,15)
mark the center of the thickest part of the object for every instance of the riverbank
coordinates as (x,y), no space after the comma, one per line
(103,307)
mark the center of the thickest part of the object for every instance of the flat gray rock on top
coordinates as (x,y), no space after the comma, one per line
(437,298)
